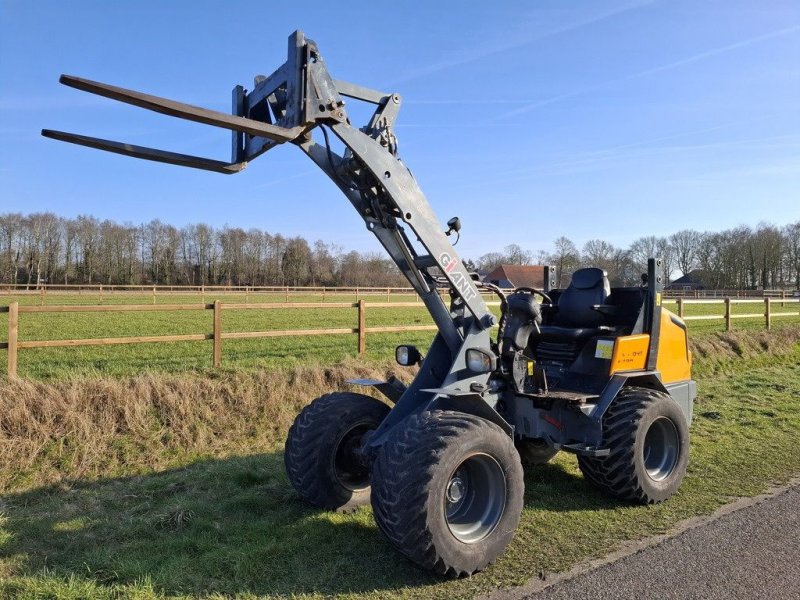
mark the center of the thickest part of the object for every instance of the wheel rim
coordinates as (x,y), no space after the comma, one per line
(350,469)
(475,498)
(661,449)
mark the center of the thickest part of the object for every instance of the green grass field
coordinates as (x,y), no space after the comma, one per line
(49,363)
(54,363)
(141,472)
(213,516)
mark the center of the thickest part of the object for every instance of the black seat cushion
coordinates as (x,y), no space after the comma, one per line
(588,288)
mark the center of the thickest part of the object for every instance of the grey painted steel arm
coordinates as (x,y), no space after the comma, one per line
(287,106)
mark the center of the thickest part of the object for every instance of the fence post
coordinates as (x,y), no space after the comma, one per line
(727,313)
(680,307)
(287,293)
(362,328)
(783,298)
(101,293)
(323,293)
(13,330)
(154,294)
(217,333)
(387,295)
(41,296)
(768,311)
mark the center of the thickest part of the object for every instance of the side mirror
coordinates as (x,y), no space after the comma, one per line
(481,361)
(453,224)
(407,356)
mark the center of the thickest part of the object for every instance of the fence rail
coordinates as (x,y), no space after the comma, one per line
(104,292)
(721,294)
(93,288)
(729,316)
(13,345)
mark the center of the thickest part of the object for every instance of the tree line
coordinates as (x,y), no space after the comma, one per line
(45,248)
(765,257)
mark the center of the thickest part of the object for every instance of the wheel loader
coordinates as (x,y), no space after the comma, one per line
(600,372)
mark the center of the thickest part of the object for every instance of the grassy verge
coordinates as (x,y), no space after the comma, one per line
(173,486)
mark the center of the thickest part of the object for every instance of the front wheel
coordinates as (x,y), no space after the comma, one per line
(648,439)
(447,491)
(322,455)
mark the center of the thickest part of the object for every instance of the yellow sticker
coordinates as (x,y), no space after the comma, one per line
(530,368)
(604,349)
(658,298)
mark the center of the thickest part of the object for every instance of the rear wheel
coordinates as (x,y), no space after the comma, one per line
(648,437)
(447,491)
(533,452)
(322,455)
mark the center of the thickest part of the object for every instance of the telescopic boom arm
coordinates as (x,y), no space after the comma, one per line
(287,106)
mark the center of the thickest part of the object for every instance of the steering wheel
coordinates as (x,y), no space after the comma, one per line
(541,293)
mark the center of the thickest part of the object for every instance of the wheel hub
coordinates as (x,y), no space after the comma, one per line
(475,498)
(349,465)
(456,490)
(661,449)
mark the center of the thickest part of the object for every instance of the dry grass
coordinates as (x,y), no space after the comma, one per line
(100,427)
(719,351)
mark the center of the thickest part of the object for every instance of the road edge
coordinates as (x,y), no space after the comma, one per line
(629,548)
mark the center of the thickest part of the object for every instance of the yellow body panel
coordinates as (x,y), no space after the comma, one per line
(674,358)
(630,353)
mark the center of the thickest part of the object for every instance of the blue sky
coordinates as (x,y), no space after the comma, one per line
(529,120)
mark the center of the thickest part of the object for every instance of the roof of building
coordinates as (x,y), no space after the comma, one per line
(691,278)
(517,276)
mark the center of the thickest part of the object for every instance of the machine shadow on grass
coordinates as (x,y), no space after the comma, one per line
(226,526)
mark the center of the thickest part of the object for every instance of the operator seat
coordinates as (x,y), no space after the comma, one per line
(575,319)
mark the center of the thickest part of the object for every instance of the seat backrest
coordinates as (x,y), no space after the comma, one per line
(588,287)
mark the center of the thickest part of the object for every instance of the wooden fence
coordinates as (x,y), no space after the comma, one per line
(217,335)
(728,315)
(93,288)
(167,290)
(14,344)
(106,292)
(782,294)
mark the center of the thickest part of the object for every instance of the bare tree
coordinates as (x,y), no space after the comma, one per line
(614,261)
(296,263)
(10,228)
(490,261)
(514,255)
(666,253)
(566,258)
(642,249)
(791,235)
(685,244)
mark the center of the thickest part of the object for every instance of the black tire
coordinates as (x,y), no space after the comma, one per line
(447,491)
(534,452)
(648,436)
(319,454)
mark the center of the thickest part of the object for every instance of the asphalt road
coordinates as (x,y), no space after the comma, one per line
(751,553)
